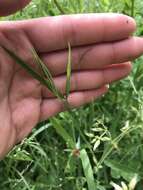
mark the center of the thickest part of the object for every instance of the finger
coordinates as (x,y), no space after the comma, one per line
(51,107)
(89,80)
(53,33)
(95,56)
(10,6)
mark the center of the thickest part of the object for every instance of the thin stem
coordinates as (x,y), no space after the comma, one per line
(59,7)
(68,109)
(132,8)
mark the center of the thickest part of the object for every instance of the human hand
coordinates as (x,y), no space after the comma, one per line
(102,48)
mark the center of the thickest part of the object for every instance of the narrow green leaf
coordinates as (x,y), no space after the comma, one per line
(62,132)
(59,7)
(21,155)
(46,82)
(42,66)
(122,169)
(68,71)
(25,66)
(88,172)
(46,73)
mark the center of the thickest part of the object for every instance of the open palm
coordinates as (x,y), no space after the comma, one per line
(101,51)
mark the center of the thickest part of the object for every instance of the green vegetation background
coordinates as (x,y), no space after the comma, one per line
(109,131)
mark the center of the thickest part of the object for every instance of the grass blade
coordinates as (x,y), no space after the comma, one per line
(59,7)
(25,66)
(68,71)
(88,172)
(46,73)
(62,132)
(42,67)
(49,83)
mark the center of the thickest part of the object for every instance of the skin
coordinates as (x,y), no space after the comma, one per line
(102,48)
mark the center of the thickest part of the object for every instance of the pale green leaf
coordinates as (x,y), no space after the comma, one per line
(88,172)
(68,71)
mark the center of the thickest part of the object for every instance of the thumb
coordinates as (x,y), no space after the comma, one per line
(11,6)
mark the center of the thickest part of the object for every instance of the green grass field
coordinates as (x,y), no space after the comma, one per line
(108,133)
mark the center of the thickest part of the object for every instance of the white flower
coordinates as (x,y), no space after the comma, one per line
(133,182)
(124,186)
(116,187)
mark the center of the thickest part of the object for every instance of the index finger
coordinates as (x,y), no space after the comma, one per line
(53,33)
